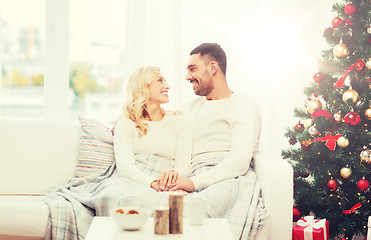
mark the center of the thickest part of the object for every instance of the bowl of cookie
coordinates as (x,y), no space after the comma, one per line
(129,218)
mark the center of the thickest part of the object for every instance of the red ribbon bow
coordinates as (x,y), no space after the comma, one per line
(358,65)
(330,140)
(347,20)
(354,209)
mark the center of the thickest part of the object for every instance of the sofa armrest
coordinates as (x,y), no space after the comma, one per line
(276,179)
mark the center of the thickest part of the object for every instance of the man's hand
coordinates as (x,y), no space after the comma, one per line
(183,183)
(166,179)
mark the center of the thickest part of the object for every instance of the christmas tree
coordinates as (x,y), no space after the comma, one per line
(331,147)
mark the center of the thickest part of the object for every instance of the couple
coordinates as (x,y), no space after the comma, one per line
(222,123)
(206,152)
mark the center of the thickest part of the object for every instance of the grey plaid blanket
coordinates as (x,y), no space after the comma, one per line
(73,205)
(239,200)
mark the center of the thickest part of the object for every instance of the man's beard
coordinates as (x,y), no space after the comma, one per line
(204,90)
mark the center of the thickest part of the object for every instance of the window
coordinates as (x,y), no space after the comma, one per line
(22,58)
(97,58)
(62,59)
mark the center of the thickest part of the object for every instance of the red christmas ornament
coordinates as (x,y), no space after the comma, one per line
(352,118)
(336,21)
(363,184)
(299,127)
(332,184)
(296,214)
(321,113)
(350,9)
(318,77)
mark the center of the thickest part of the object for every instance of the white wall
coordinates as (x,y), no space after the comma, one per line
(272,49)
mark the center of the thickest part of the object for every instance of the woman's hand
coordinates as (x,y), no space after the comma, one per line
(185,193)
(166,179)
(155,185)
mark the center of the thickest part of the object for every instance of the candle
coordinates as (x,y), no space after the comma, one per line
(161,221)
(176,213)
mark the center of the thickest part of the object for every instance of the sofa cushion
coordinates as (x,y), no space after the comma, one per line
(35,155)
(23,216)
(96,152)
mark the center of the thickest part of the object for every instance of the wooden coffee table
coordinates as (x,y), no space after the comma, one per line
(212,228)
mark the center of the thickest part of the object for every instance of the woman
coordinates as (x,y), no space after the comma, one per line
(152,148)
(147,129)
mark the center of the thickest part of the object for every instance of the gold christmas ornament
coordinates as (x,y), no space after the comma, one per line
(367,114)
(337,117)
(341,51)
(345,172)
(365,155)
(350,95)
(369,30)
(313,105)
(308,122)
(313,131)
(343,142)
(368,63)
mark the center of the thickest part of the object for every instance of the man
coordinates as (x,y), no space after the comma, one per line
(225,136)
(226,125)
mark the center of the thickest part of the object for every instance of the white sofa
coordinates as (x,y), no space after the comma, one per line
(36,155)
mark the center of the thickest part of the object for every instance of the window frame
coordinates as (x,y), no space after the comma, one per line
(56,77)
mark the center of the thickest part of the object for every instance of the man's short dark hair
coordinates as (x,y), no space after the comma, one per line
(214,52)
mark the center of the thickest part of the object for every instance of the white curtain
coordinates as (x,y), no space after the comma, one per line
(272,49)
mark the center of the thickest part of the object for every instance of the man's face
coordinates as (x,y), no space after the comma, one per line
(198,74)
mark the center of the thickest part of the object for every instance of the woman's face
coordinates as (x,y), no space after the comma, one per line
(158,90)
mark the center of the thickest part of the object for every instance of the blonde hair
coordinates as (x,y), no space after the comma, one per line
(138,96)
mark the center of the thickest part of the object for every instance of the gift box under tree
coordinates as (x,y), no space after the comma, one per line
(308,228)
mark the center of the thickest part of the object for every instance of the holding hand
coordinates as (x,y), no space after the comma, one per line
(184,184)
(166,179)
(155,185)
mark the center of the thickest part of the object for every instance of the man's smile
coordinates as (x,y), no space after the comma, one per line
(193,82)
